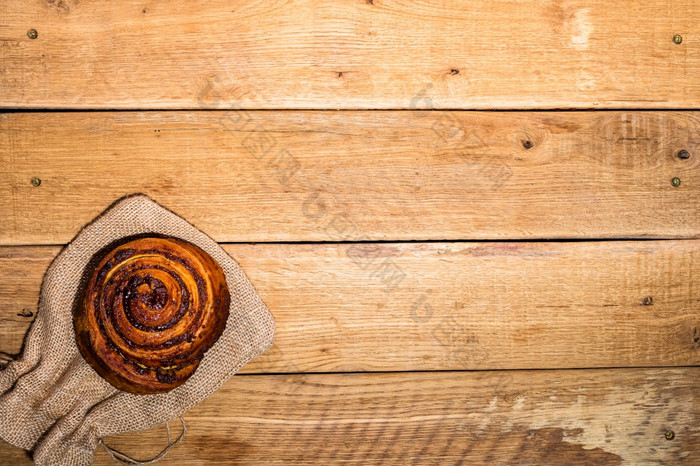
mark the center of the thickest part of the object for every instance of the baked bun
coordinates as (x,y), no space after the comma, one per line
(152,307)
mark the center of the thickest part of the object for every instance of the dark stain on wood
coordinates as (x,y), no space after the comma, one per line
(62,6)
(547,446)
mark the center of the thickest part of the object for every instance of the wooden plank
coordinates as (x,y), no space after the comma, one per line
(434,306)
(508,417)
(351,54)
(337,176)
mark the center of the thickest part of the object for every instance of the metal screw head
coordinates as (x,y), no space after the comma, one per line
(670,435)
(36,182)
(675,182)
(32,34)
(683,154)
(648,300)
(677,39)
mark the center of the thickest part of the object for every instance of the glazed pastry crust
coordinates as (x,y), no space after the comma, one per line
(152,307)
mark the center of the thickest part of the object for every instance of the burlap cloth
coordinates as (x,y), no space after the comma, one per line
(53,402)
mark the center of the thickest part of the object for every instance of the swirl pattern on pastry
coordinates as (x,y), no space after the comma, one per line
(152,307)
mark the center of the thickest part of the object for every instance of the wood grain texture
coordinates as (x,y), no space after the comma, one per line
(350,54)
(435,306)
(510,417)
(350,176)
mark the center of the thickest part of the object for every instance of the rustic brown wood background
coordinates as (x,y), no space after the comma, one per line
(461,214)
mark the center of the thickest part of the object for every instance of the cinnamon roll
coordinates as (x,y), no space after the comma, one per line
(152,307)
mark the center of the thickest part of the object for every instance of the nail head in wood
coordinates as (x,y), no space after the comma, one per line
(677,39)
(36,182)
(675,182)
(32,34)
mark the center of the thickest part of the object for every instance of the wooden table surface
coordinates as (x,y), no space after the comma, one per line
(477,224)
